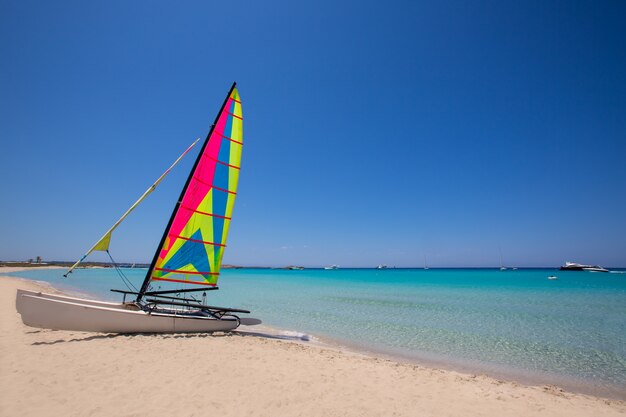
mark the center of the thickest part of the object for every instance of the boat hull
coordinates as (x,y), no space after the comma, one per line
(52,312)
(97,303)
(573,266)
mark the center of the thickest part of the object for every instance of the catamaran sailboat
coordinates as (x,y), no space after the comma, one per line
(190,253)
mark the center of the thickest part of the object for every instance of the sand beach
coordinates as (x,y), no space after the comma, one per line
(243,373)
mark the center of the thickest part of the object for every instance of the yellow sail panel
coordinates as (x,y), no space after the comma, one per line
(103,244)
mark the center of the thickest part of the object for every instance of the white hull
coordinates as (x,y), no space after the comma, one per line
(573,266)
(97,303)
(49,311)
(595,269)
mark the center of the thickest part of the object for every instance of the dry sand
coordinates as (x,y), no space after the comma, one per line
(59,373)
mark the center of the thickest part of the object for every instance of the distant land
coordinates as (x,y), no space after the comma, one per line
(68,264)
(35,264)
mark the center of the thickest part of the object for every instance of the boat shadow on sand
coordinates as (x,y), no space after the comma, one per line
(238,333)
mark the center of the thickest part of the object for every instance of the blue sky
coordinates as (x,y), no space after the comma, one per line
(376,132)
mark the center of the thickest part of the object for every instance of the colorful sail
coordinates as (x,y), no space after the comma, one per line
(194,243)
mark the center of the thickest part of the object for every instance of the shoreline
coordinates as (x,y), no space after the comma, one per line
(500,374)
(260,374)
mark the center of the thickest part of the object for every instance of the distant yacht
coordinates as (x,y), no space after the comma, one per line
(332,267)
(573,266)
(552,277)
(502,267)
(381,266)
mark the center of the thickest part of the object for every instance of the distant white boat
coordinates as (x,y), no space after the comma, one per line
(502,267)
(381,266)
(332,267)
(552,277)
(573,266)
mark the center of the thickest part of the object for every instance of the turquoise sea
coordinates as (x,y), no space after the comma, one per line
(515,323)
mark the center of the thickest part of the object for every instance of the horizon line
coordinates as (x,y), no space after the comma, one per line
(232,266)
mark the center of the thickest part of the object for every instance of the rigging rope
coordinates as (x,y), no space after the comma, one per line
(124,278)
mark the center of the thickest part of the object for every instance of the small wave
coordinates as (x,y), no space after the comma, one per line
(296,335)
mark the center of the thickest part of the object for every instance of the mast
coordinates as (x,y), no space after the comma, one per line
(146,282)
(103,243)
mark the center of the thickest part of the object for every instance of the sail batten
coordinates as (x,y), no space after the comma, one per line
(206,214)
(187,272)
(182,281)
(194,241)
(222,162)
(230,139)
